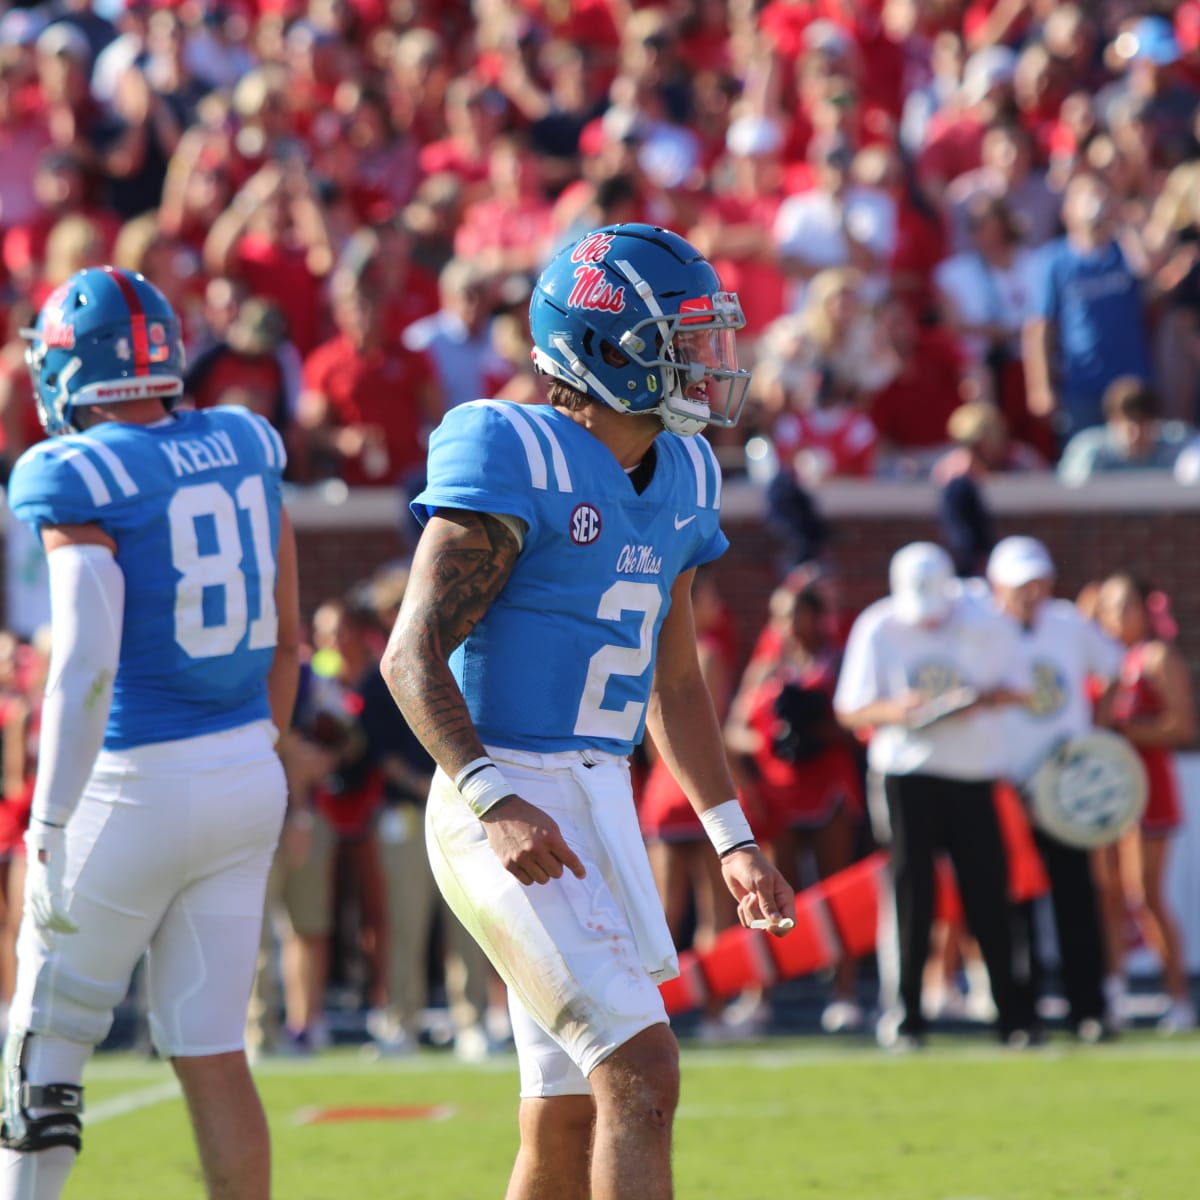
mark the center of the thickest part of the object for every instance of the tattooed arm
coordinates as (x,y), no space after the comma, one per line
(462,562)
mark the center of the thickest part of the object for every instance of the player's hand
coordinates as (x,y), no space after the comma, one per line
(528,842)
(761,891)
(45,895)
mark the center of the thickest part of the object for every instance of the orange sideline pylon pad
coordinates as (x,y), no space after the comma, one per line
(737,960)
(852,897)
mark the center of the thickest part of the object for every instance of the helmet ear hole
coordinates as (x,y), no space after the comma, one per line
(612,356)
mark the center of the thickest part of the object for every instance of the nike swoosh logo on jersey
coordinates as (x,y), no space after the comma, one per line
(680,522)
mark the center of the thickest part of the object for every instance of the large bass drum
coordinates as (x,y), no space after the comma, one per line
(1089,791)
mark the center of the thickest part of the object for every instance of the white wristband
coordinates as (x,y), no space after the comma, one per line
(482,786)
(727,827)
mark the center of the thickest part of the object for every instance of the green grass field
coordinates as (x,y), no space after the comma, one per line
(789,1119)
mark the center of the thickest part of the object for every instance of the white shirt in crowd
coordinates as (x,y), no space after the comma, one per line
(974,647)
(982,294)
(1063,648)
(808,227)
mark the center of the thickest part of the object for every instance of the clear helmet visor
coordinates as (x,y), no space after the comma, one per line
(703,380)
(697,358)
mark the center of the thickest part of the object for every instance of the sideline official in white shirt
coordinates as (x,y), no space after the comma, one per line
(928,670)
(1062,648)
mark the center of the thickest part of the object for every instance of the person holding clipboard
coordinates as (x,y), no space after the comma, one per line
(928,670)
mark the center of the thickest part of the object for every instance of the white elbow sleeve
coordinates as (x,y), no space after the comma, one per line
(87,601)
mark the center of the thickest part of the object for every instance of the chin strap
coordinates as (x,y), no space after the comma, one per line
(683,423)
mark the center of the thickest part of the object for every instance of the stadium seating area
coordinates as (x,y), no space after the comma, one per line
(930,209)
(348,201)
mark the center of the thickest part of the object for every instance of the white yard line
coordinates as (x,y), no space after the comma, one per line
(128,1102)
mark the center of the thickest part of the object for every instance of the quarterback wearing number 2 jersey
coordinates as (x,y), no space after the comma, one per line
(563,658)
(546,626)
(173,668)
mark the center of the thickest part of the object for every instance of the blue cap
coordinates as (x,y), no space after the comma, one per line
(1152,39)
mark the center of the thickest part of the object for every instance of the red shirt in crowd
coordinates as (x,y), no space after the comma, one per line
(921,244)
(978,14)
(760,284)
(416,299)
(495,224)
(449,154)
(374,387)
(281,274)
(883,81)
(837,441)
(23,418)
(784,22)
(25,244)
(953,146)
(255,380)
(583,22)
(912,411)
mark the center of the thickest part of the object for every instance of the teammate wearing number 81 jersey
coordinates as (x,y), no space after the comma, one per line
(159,796)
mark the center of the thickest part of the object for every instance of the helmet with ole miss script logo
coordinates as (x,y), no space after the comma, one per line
(634,316)
(104,336)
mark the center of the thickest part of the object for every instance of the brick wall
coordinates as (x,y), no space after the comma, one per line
(331,560)
(1159,548)
(1152,529)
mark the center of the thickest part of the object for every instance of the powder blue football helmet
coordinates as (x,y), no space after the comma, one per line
(634,316)
(104,336)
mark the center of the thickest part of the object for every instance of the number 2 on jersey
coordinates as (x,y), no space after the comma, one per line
(621,724)
(222,568)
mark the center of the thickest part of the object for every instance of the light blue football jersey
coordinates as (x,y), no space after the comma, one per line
(193,505)
(564,657)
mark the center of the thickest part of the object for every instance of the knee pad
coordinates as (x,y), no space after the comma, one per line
(58,1105)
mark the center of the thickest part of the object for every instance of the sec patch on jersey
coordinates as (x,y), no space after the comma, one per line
(586,524)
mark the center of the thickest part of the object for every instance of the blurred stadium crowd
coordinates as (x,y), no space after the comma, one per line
(966,235)
(347,200)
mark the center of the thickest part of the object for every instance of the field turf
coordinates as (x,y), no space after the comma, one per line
(786,1119)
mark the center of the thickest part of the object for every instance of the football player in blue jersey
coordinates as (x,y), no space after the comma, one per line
(546,625)
(159,796)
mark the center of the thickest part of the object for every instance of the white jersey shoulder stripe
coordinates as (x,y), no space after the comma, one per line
(51,446)
(561,475)
(534,454)
(714,466)
(260,427)
(109,457)
(701,469)
(281,457)
(86,470)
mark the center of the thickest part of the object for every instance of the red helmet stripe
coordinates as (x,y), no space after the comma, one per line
(137,320)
